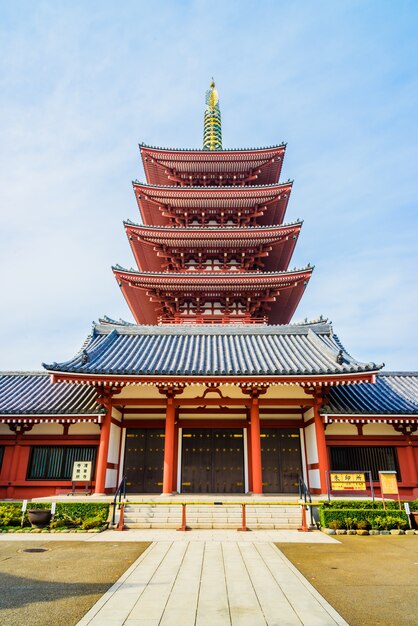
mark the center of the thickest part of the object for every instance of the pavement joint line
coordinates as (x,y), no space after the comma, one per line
(226,584)
(240,545)
(291,611)
(175,579)
(152,576)
(110,594)
(236,570)
(200,581)
(335,616)
(101,602)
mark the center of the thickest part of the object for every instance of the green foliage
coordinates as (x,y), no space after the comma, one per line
(363,524)
(67,515)
(413,505)
(360,504)
(10,514)
(92,522)
(362,518)
(335,524)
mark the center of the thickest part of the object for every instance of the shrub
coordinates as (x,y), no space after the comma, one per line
(67,515)
(372,518)
(363,524)
(360,504)
(92,522)
(350,523)
(335,524)
(10,514)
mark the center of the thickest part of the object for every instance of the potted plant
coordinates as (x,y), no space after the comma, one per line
(39,518)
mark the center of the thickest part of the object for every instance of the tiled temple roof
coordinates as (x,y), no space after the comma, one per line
(164,164)
(32,393)
(213,350)
(394,393)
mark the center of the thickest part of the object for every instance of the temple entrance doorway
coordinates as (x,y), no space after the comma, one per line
(281,460)
(212,461)
(144,460)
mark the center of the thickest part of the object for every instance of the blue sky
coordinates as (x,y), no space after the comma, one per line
(81,83)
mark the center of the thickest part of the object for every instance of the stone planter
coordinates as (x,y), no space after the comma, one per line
(39,518)
(414,518)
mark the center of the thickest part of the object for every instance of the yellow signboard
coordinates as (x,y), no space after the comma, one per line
(388,483)
(348,481)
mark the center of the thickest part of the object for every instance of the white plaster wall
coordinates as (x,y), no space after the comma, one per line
(47,429)
(122,454)
(84,428)
(379,429)
(113,453)
(5,430)
(311,447)
(303,455)
(111,478)
(314,479)
(116,414)
(308,414)
(341,429)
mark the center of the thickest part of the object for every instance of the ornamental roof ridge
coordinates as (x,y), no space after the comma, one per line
(23,373)
(108,320)
(397,373)
(321,328)
(275,146)
(214,228)
(237,274)
(214,187)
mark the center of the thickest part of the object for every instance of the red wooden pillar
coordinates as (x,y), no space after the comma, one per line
(169,444)
(14,466)
(412,475)
(103,450)
(257,481)
(250,465)
(323,464)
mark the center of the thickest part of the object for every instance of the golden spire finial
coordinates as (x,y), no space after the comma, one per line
(212,133)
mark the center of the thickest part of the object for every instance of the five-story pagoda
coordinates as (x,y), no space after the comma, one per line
(212,390)
(212,246)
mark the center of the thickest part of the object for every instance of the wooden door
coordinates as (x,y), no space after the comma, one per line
(144,460)
(280,459)
(212,461)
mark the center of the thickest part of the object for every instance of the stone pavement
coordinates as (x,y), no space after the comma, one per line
(212,578)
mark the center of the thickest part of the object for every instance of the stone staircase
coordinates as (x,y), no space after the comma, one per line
(201,516)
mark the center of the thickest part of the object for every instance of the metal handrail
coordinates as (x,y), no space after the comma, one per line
(305,495)
(121,492)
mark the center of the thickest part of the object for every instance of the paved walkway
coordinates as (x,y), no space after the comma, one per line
(217,580)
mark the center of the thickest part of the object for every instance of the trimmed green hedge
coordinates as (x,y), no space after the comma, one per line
(351,518)
(361,504)
(67,515)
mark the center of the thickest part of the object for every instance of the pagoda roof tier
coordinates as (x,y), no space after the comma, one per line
(184,206)
(253,166)
(160,248)
(212,297)
(305,354)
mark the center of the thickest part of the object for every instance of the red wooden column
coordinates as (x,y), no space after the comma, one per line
(323,464)
(101,465)
(250,466)
(169,446)
(257,479)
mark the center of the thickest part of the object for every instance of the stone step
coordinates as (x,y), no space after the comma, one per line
(214,525)
(212,516)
